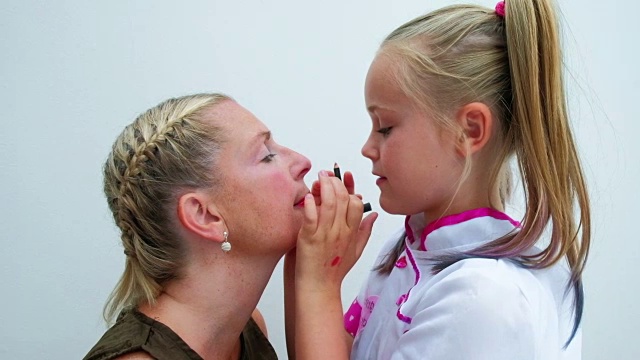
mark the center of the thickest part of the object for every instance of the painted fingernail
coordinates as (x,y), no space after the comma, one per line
(323,173)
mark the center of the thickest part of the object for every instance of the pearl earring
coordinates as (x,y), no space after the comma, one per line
(226,245)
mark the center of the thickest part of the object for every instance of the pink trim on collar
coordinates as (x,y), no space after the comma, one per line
(408,230)
(416,269)
(460,218)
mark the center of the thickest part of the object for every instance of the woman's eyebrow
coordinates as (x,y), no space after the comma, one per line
(260,138)
(263,134)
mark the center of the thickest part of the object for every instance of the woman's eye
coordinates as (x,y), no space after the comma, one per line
(268,158)
(385,131)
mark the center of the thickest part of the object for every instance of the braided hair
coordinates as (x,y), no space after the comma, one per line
(169,148)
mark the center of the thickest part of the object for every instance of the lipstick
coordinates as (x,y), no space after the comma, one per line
(336,173)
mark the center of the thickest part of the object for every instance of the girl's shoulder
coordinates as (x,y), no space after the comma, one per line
(490,286)
(483,280)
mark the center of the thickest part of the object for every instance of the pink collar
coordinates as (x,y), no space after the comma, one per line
(475,231)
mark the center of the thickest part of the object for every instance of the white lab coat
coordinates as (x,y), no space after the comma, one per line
(474,309)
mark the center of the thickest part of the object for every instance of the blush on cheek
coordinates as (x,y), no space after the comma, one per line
(281,181)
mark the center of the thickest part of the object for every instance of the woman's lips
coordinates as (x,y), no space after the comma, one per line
(300,203)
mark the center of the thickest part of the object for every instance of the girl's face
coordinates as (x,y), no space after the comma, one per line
(416,162)
(262,184)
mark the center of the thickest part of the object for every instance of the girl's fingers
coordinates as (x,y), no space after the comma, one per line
(354,213)
(328,199)
(364,232)
(315,191)
(310,223)
(342,201)
(315,188)
(349,183)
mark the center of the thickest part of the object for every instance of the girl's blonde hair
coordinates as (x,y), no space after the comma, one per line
(168,148)
(462,54)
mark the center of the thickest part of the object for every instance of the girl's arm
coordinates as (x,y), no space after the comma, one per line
(331,240)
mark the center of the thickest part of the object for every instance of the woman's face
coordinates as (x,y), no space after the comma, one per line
(262,189)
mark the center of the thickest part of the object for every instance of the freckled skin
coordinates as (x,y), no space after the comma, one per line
(271,187)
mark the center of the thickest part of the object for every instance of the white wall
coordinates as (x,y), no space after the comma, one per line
(73,73)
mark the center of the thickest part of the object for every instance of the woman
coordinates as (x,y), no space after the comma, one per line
(207,203)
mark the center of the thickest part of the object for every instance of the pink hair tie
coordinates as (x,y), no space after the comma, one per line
(500,9)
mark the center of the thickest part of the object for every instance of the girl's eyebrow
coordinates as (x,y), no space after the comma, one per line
(373,108)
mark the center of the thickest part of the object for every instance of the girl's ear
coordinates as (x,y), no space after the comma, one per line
(476,121)
(198,215)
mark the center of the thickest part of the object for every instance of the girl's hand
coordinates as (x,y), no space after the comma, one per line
(330,241)
(333,234)
(349,183)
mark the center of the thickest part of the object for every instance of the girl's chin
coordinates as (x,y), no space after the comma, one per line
(393,207)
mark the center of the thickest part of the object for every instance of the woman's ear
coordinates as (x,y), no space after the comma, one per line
(476,122)
(199,215)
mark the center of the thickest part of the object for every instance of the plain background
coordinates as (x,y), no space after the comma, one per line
(74,73)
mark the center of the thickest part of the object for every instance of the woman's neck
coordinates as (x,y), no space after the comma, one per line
(210,305)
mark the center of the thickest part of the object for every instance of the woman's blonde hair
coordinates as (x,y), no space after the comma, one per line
(462,54)
(168,148)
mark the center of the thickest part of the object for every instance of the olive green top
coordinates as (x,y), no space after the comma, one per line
(134,331)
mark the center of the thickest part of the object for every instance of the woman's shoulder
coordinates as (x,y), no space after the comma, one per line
(254,339)
(136,335)
(138,355)
(257,317)
(126,335)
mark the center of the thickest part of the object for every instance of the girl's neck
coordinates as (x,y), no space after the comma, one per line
(468,198)
(210,305)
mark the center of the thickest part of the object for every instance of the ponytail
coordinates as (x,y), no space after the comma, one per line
(133,287)
(547,158)
(553,180)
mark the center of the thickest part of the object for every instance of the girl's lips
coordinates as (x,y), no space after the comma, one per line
(380,180)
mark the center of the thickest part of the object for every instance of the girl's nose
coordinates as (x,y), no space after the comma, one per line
(368,150)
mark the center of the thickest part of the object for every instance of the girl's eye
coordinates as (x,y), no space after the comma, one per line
(385,131)
(268,158)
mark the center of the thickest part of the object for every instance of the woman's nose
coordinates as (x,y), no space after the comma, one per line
(301,165)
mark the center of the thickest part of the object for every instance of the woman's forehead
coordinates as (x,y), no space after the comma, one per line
(235,120)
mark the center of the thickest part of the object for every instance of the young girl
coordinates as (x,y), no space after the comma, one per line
(453,96)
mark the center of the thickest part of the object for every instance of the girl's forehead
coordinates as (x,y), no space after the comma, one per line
(382,87)
(382,67)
